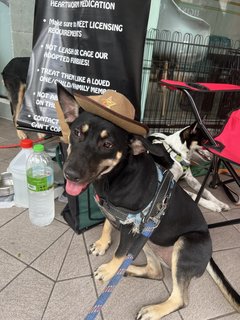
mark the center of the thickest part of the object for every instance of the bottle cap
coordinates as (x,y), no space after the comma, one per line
(26,143)
(38,147)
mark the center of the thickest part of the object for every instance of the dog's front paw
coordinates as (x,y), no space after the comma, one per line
(149,313)
(214,206)
(218,207)
(99,247)
(21,134)
(224,206)
(41,135)
(105,272)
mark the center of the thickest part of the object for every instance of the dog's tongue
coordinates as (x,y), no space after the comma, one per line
(74,188)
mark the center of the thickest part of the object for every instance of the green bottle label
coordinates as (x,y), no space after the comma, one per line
(39,183)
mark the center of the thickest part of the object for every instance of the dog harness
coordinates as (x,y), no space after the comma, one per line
(151,220)
(154,210)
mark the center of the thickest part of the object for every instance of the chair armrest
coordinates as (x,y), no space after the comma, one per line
(199,86)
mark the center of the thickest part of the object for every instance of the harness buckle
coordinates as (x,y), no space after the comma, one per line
(162,206)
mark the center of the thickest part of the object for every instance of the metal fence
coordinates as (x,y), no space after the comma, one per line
(184,58)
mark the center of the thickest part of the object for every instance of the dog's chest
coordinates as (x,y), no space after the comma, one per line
(118,215)
(154,210)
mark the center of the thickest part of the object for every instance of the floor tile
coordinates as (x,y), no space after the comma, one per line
(234,316)
(205,300)
(25,298)
(71,299)
(229,263)
(8,154)
(9,268)
(225,238)
(213,217)
(50,262)
(3,165)
(2,140)
(131,295)
(8,214)
(233,214)
(25,241)
(59,206)
(76,263)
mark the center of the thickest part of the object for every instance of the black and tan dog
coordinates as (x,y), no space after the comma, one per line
(106,148)
(14,77)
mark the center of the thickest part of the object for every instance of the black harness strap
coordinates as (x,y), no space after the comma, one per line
(156,212)
(160,200)
(119,215)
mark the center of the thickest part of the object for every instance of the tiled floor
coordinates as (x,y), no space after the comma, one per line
(46,273)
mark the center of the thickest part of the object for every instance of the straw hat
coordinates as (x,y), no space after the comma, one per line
(114,107)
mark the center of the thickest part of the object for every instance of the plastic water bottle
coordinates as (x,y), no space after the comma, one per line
(17,167)
(40,187)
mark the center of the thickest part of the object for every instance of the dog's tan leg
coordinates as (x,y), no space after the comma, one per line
(106,271)
(21,134)
(178,297)
(41,135)
(101,245)
(151,270)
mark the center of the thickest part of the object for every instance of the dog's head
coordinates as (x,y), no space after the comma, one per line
(96,146)
(192,136)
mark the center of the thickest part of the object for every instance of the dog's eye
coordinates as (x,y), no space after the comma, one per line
(78,132)
(107,145)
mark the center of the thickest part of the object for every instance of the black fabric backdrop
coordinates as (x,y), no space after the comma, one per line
(88,46)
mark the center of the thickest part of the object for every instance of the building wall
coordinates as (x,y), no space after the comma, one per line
(16,24)
(6,51)
(22,13)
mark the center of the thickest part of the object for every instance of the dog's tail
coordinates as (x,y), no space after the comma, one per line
(227,290)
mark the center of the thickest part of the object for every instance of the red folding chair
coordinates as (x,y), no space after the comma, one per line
(225,147)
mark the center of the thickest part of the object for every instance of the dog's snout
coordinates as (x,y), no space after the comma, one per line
(71,174)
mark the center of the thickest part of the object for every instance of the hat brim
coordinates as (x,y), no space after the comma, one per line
(92,106)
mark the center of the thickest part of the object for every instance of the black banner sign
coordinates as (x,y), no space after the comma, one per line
(88,46)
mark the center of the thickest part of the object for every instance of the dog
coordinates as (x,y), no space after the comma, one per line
(108,148)
(182,145)
(14,77)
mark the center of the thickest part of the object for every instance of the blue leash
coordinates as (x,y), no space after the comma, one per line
(146,232)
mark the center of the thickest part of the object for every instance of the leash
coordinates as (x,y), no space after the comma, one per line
(17,145)
(147,231)
(158,206)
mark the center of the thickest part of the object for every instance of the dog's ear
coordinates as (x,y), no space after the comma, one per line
(68,104)
(191,130)
(140,144)
(136,145)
